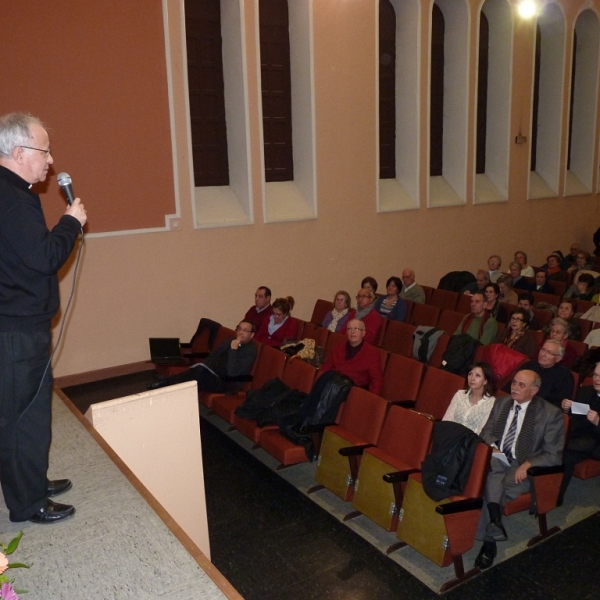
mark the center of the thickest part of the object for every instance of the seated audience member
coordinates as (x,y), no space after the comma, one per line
(557,381)
(410,289)
(541,284)
(492,303)
(479,324)
(481,280)
(559,332)
(566,311)
(280,325)
(357,359)
(262,308)
(392,306)
(583,289)
(530,433)
(516,335)
(571,257)
(365,312)
(584,433)
(471,407)
(526,301)
(521,258)
(494,264)
(554,269)
(519,282)
(232,358)
(507,294)
(369,283)
(336,318)
(582,262)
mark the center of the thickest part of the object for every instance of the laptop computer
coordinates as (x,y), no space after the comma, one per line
(166,351)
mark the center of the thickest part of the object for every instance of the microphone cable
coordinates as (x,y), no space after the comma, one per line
(61,329)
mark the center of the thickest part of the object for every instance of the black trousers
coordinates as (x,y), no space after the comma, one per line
(207,382)
(25,420)
(578,449)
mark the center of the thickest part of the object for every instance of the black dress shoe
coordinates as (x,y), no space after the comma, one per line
(486,556)
(59,486)
(52,512)
(496,531)
(154,385)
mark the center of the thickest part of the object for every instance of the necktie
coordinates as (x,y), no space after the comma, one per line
(510,434)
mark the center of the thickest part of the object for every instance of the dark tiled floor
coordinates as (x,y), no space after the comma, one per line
(271,542)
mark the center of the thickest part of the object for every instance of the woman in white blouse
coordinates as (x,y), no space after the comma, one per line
(471,407)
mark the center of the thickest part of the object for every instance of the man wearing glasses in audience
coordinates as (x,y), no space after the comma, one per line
(357,359)
(232,359)
(557,381)
(365,312)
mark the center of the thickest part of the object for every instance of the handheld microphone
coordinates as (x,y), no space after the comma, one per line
(64,180)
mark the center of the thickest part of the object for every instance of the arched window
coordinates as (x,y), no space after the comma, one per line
(276,88)
(482,89)
(387,90)
(584,98)
(436,115)
(547,104)
(492,141)
(206,92)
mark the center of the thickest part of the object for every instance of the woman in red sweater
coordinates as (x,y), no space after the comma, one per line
(280,325)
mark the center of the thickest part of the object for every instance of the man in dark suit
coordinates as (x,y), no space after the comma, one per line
(524,431)
(584,436)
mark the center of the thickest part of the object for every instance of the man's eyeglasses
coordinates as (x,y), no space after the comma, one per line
(363,296)
(240,330)
(355,329)
(44,152)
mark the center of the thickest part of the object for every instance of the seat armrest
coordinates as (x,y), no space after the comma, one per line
(185,344)
(238,378)
(459,506)
(538,471)
(405,403)
(399,476)
(354,450)
(314,428)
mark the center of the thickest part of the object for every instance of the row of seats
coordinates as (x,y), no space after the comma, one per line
(446,310)
(372,456)
(397,337)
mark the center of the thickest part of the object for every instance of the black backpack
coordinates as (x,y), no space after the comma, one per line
(459,353)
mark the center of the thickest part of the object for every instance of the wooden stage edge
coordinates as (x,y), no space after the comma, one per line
(217,577)
(91,376)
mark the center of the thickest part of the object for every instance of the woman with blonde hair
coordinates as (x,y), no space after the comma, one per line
(336,318)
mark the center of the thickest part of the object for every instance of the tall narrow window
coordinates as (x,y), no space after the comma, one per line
(387,90)
(206,92)
(482,87)
(436,126)
(572,100)
(276,90)
(536,98)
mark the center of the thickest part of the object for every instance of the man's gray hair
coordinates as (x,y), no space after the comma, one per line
(559,346)
(14,131)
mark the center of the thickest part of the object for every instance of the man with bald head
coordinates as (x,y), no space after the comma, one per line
(410,289)
(357,359)
(524,431)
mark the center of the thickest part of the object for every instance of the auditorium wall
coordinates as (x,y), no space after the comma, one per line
(108,79)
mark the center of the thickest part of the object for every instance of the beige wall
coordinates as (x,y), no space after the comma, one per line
(131,287)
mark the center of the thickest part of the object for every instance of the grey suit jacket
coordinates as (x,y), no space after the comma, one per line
(542,437)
